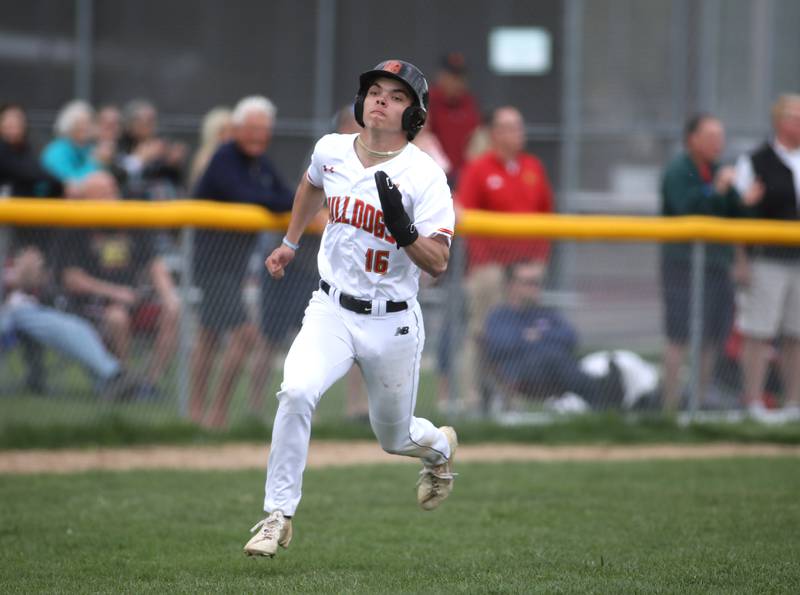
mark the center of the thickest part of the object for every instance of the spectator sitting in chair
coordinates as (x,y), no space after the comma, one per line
(22,175)
(23,315)
(111,275)
(531,348)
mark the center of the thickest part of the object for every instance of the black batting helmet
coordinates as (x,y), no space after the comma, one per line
(414,116)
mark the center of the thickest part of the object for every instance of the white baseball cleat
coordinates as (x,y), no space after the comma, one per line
(436,482)
(271,532)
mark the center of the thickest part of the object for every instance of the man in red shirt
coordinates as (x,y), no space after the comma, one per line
(453,113)
(508,180)
(505,179)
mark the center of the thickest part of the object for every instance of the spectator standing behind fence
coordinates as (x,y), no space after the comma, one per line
(153,165)
(283,304)
(532,348)
(770,304)
(215,130)
(509,180)
(695,184)
(239,172)
(109,124)
(23,315)
(453,114)
(108,134)
(70,156)
(113,276)
(21,174)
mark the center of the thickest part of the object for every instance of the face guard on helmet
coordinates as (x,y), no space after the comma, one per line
(414,116)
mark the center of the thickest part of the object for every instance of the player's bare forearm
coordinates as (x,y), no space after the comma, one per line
(308,200)
(430,254)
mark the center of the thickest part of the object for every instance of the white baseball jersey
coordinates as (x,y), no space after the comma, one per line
(358,255)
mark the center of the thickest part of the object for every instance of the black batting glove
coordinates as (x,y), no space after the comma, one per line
(394,215)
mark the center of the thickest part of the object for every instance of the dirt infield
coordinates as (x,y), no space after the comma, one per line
(334,453)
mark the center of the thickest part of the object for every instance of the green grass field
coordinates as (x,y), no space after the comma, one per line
(73,416)
(726,526)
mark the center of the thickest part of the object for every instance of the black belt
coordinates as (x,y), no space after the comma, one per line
(348,302)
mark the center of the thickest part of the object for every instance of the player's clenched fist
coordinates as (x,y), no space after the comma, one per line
(394,215)
(278,261)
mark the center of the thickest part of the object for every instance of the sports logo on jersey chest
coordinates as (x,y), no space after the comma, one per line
(401,330)
(494,182)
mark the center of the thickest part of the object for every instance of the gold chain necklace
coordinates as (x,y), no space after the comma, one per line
(378,153)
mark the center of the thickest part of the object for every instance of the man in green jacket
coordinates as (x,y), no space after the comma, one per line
(695,184)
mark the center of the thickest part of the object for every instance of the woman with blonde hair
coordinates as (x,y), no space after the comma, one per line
(217,128)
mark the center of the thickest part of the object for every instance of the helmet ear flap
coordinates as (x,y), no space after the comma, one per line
(358,109)
(413,120)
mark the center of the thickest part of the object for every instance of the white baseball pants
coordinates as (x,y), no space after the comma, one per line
(388,349)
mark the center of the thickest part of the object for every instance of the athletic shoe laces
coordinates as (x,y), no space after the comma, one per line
(436,473)
(268,527)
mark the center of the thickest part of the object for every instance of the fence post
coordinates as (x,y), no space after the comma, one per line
(185,328)
(84,38)
(5,232)
(455,324)
(696,324)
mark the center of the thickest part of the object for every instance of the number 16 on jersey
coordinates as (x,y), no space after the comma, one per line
(377,261)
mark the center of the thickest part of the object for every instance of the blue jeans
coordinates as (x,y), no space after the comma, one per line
(66,333)
(541,372)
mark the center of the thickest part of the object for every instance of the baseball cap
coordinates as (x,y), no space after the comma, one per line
(454,63)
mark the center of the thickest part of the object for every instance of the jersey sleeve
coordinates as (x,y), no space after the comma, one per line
(433,209)
(315,173)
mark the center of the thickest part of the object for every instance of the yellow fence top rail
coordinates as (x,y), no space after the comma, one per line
(237,217)
(133,213)
(601,227)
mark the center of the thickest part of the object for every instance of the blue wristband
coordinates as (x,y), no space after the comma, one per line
(285,241)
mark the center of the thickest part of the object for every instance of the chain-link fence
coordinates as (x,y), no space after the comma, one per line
(156,325)
(168,325)
(604,118)
(590,329)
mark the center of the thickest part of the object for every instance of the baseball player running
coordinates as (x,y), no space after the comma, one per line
(390,215)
